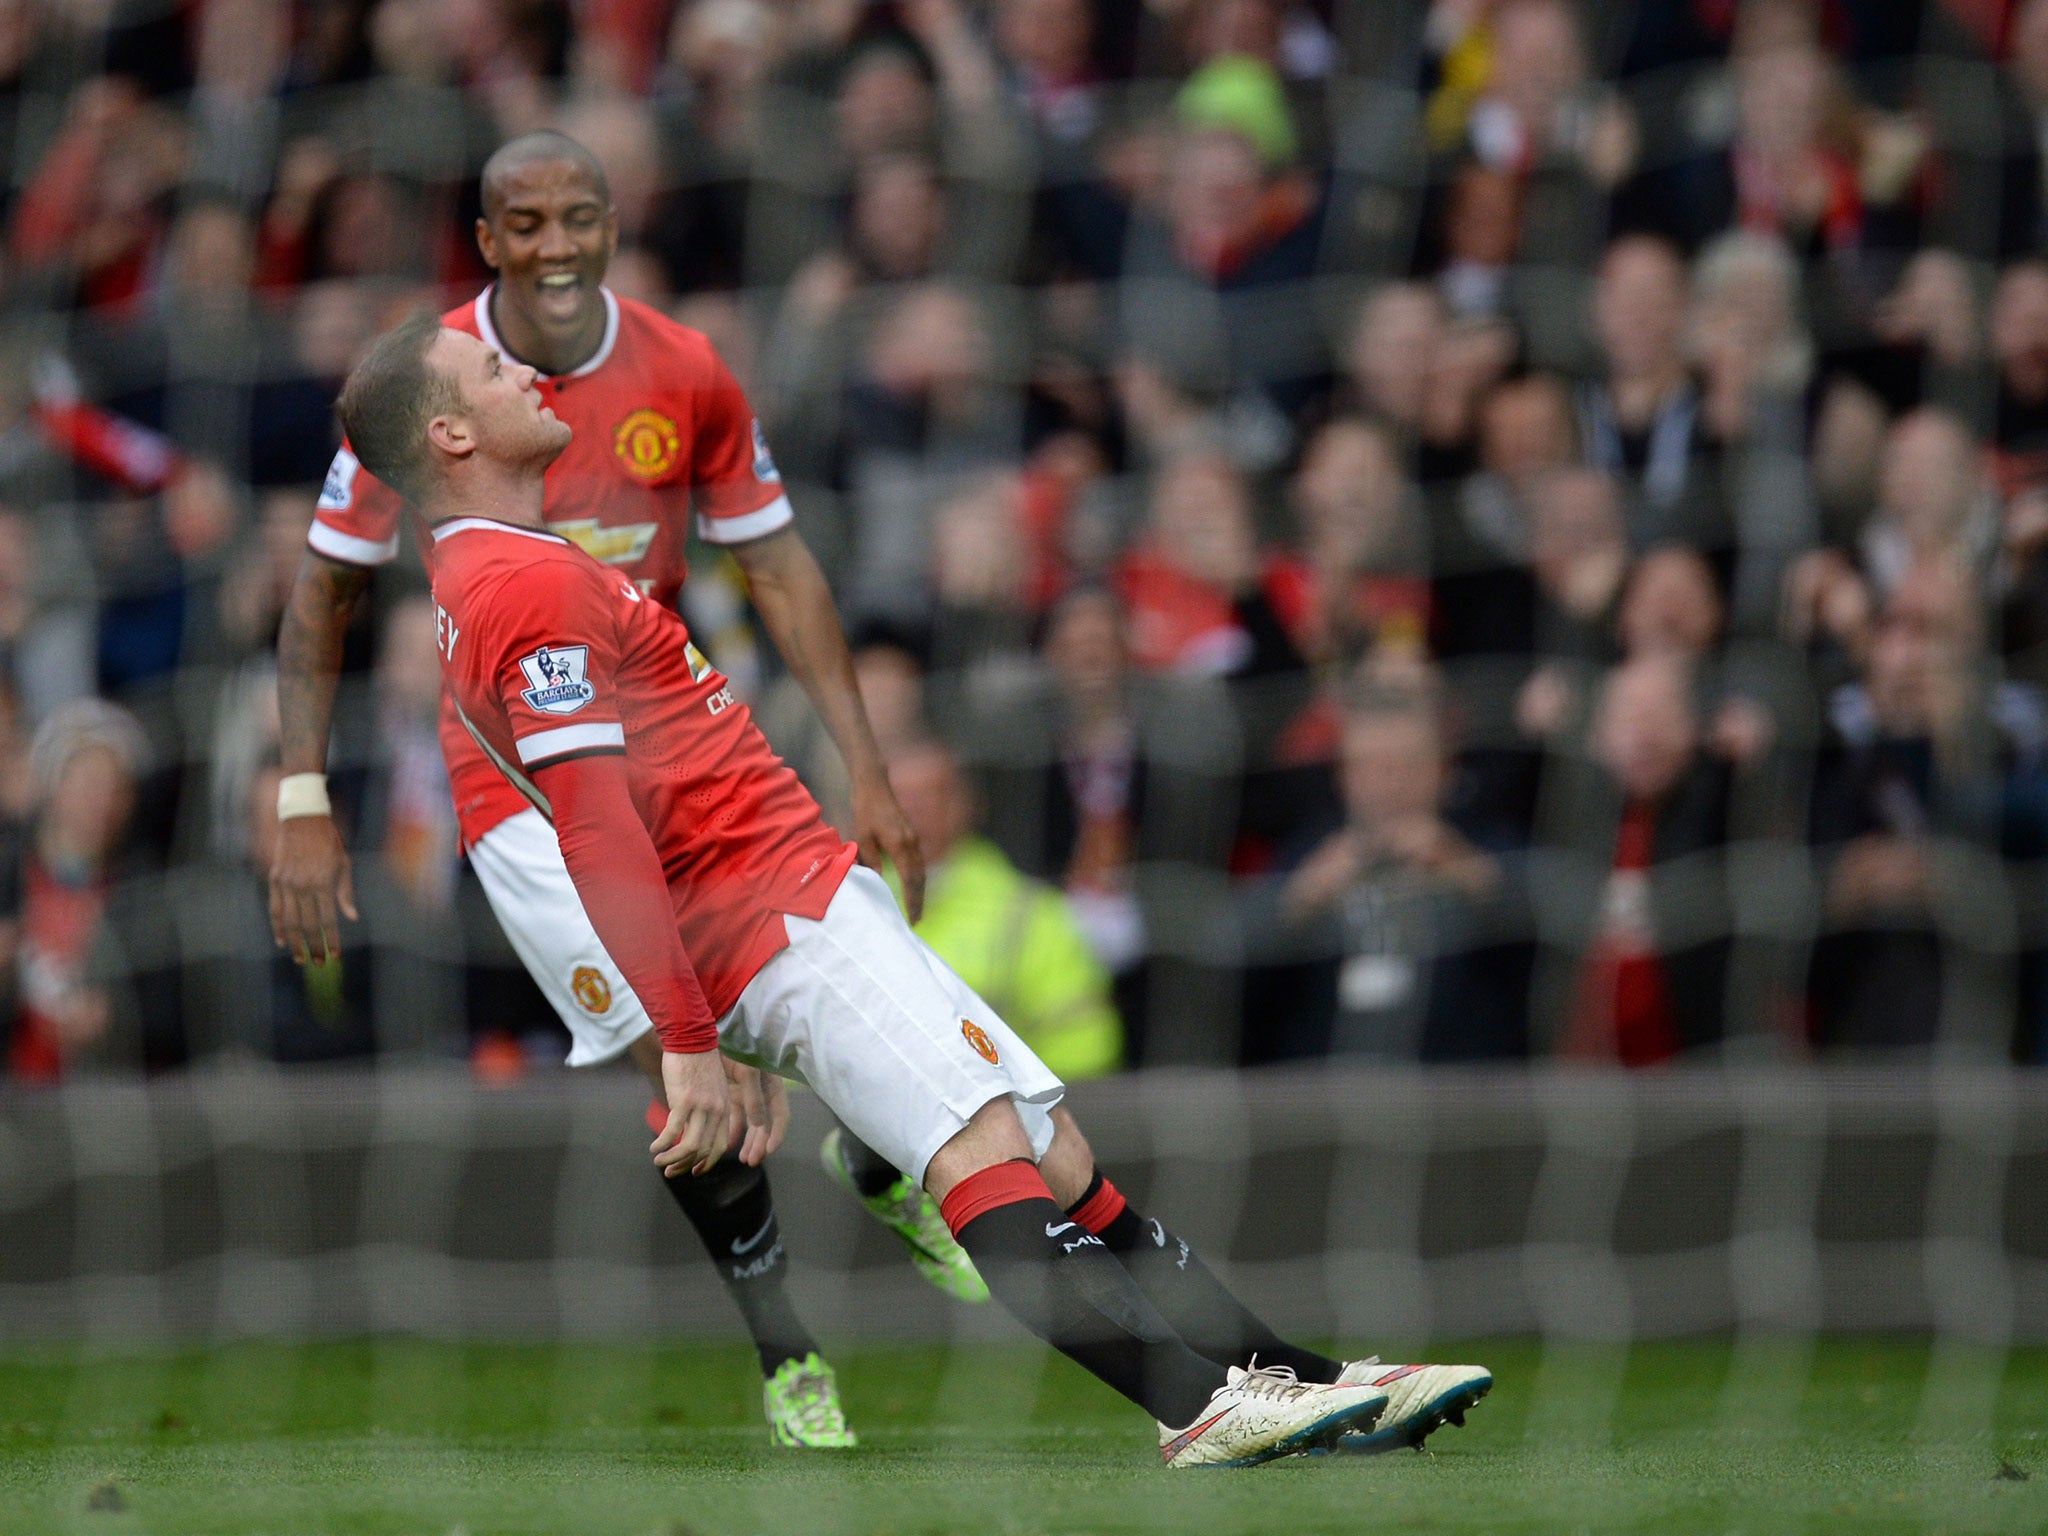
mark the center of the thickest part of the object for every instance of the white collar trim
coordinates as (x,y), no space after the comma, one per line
(489,332)
(492,525)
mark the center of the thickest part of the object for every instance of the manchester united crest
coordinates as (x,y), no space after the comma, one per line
(591,989)
(647,444)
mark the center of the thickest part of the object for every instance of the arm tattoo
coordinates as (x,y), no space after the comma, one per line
(309,657)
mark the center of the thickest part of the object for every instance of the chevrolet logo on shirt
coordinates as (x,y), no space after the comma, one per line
(617,544)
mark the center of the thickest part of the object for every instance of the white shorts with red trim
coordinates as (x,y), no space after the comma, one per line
(520,865)
(899,1048)
(858,1006)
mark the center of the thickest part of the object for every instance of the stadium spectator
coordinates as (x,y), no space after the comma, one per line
(1933,506)
(1579,559)
(1748,340)
(1049,52)
(1540,109)
(925,409)
(1214,290)
(46,641)
(1632,867)
(1909,808)
(1420,918)
(1479,550)
(1362,542)
(1543,149)
(1390,354)
(1643,420)
(890,667)
(1118,786)
(1012,938)
(2019,347)
(1201,594)
(85,762)
(410,816)
(1409,366)
(1791,166)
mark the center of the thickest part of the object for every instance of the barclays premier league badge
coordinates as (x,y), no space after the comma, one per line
(764,461)
(557,675)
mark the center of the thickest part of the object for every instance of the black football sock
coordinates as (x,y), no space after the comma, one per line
(1176,1282)
(1059,1281)
(734,1215)
(873,1174)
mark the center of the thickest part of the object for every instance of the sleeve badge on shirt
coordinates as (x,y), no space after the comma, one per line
(764,461)
(647,444)
(339,488)
(557,675)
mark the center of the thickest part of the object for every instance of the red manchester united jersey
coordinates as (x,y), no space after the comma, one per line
(549,655)
(662,431)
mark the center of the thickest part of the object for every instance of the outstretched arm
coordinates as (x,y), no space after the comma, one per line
(795,602)
(619,878)
(310,885)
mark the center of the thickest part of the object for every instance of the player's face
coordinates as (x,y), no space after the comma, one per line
(504,411)
(550,239)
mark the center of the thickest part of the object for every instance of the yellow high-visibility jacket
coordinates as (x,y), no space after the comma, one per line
(1015,941)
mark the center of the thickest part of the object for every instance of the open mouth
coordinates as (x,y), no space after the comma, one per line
(560,292)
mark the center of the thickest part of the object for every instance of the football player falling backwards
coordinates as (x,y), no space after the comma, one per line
(663,434)
(744,923)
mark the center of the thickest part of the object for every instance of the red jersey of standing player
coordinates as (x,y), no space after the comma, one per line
(548,655)
(663,430)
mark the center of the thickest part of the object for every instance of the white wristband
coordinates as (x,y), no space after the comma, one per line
(302,794)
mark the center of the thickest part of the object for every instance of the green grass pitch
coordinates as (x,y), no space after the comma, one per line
(383,1437)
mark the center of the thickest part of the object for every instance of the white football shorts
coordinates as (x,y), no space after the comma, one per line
(857,1006)
(520,865)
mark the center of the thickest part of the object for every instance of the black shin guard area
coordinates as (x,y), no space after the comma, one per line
(734,1215)
(873,1174)
(1064,1286)
(1199,1307)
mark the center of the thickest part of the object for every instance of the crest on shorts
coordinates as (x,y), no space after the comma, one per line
(555,679)
(592,991)
(647,444)
(977,1037)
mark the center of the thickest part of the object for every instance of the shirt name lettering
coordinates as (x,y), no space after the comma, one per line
(720,701)
(445,632)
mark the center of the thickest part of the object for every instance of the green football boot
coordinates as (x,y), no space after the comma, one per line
(802,1401)
(914,1217)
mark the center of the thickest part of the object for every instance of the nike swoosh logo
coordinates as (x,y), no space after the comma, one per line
(1055,1231)
(739,1247)
(1186,1437)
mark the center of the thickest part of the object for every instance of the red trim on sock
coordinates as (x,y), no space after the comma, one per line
(657,1116)
(1100,1209)
(979,1193)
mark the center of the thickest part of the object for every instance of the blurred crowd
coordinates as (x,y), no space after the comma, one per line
(1430,529)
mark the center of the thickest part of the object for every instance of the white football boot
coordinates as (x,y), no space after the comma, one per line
(1257,1415)
(1420,1399)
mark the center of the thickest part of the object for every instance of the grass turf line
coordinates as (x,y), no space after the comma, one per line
(413,1438)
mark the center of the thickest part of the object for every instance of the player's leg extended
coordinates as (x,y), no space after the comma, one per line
(731,1208)
(1059,1280)
(893,1198)
(1212,1319)
(919,1068)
